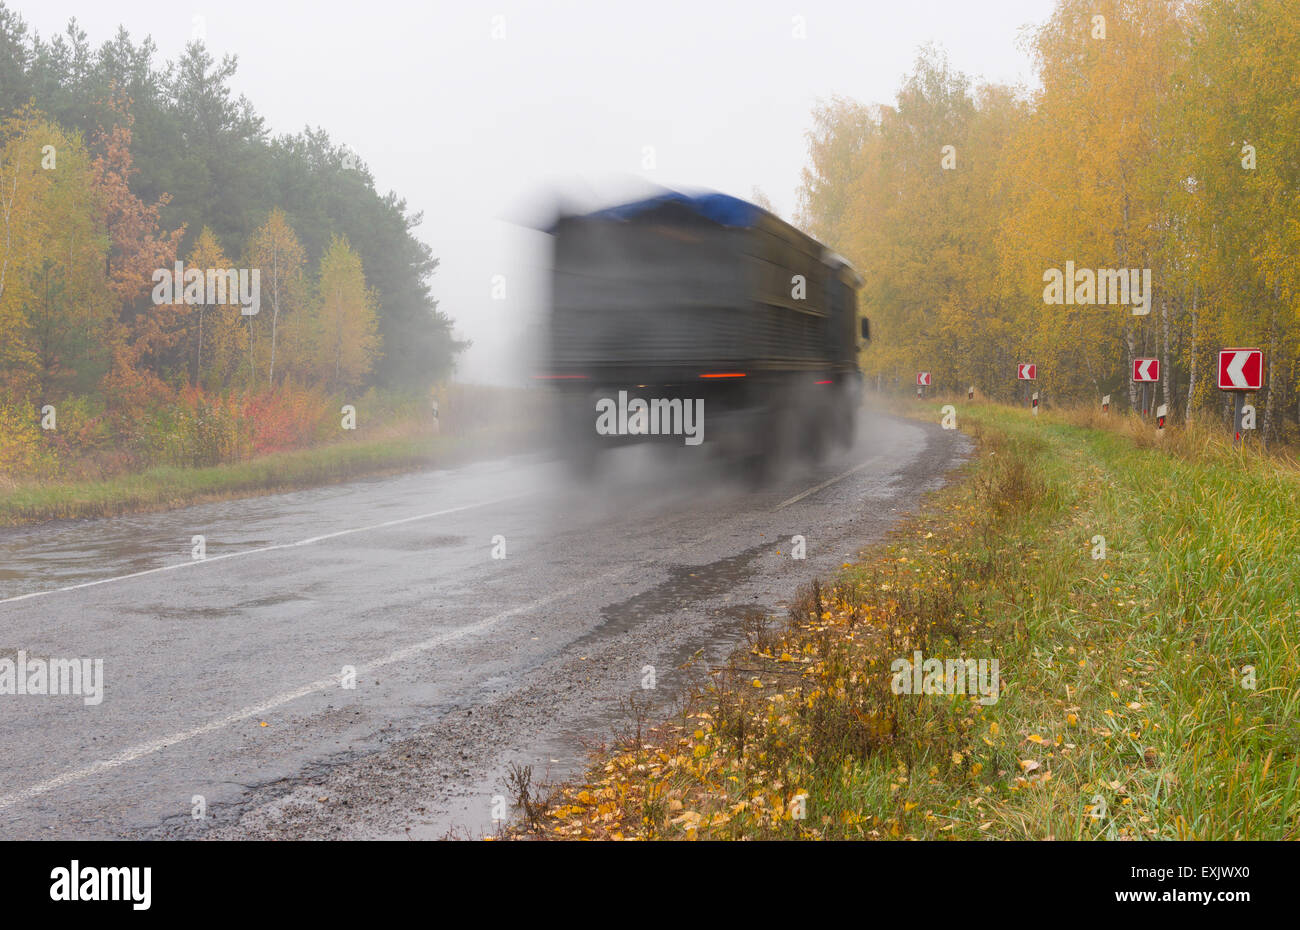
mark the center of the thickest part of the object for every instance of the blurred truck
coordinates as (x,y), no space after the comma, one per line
(711,301)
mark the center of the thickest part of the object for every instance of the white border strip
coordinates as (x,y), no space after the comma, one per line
(319,685)
(825,484)
(236,555)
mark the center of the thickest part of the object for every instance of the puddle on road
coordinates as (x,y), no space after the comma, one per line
(271,600)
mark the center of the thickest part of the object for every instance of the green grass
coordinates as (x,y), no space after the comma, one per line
(1126,707)
(167,487)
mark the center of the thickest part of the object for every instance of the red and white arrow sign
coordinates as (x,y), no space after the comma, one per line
(922,377)
(1027,372)
(1146,369)
(1241,369)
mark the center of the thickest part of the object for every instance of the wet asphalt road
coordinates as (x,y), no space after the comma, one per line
(223,678)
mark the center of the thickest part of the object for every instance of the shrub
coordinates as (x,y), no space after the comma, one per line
(23,449)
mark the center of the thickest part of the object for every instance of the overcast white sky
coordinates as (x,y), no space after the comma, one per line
(477,131)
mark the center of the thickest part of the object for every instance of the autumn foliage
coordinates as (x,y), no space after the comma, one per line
(97,374)
(132,382)
(1162,137)
(115,167)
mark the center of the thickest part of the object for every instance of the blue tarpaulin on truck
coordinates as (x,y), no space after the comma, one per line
(722,209)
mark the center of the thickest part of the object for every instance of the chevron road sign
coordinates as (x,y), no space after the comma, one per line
(1146,369)
(1241,369)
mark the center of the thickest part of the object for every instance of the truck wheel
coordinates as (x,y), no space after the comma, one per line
(815,444)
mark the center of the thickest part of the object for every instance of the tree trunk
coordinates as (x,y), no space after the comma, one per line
(1196,352)
(198,356)
(252,370)
(1164,349)
(1132,354)
(1270,359)
(275,307)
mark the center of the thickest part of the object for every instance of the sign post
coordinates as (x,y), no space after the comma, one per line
(1240,371)
(1146,371)
(1028,372)
(922,382)
(1105,404)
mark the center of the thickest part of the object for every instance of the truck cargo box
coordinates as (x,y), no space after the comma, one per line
(676,281)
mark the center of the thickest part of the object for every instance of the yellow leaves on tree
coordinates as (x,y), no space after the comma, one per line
(217,334)
(55,323)
(1158,143)
(346,341)
(274,249)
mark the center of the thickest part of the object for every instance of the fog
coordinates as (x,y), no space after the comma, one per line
(481,115)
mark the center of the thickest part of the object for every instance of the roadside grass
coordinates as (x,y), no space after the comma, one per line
(1150,694)
(165,487)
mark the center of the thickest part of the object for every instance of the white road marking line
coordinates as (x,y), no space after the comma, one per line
(822,486)
(236,555)
(141,750)
(148,748)
(257,710)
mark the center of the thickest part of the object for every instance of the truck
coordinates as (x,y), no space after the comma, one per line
(684,307)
